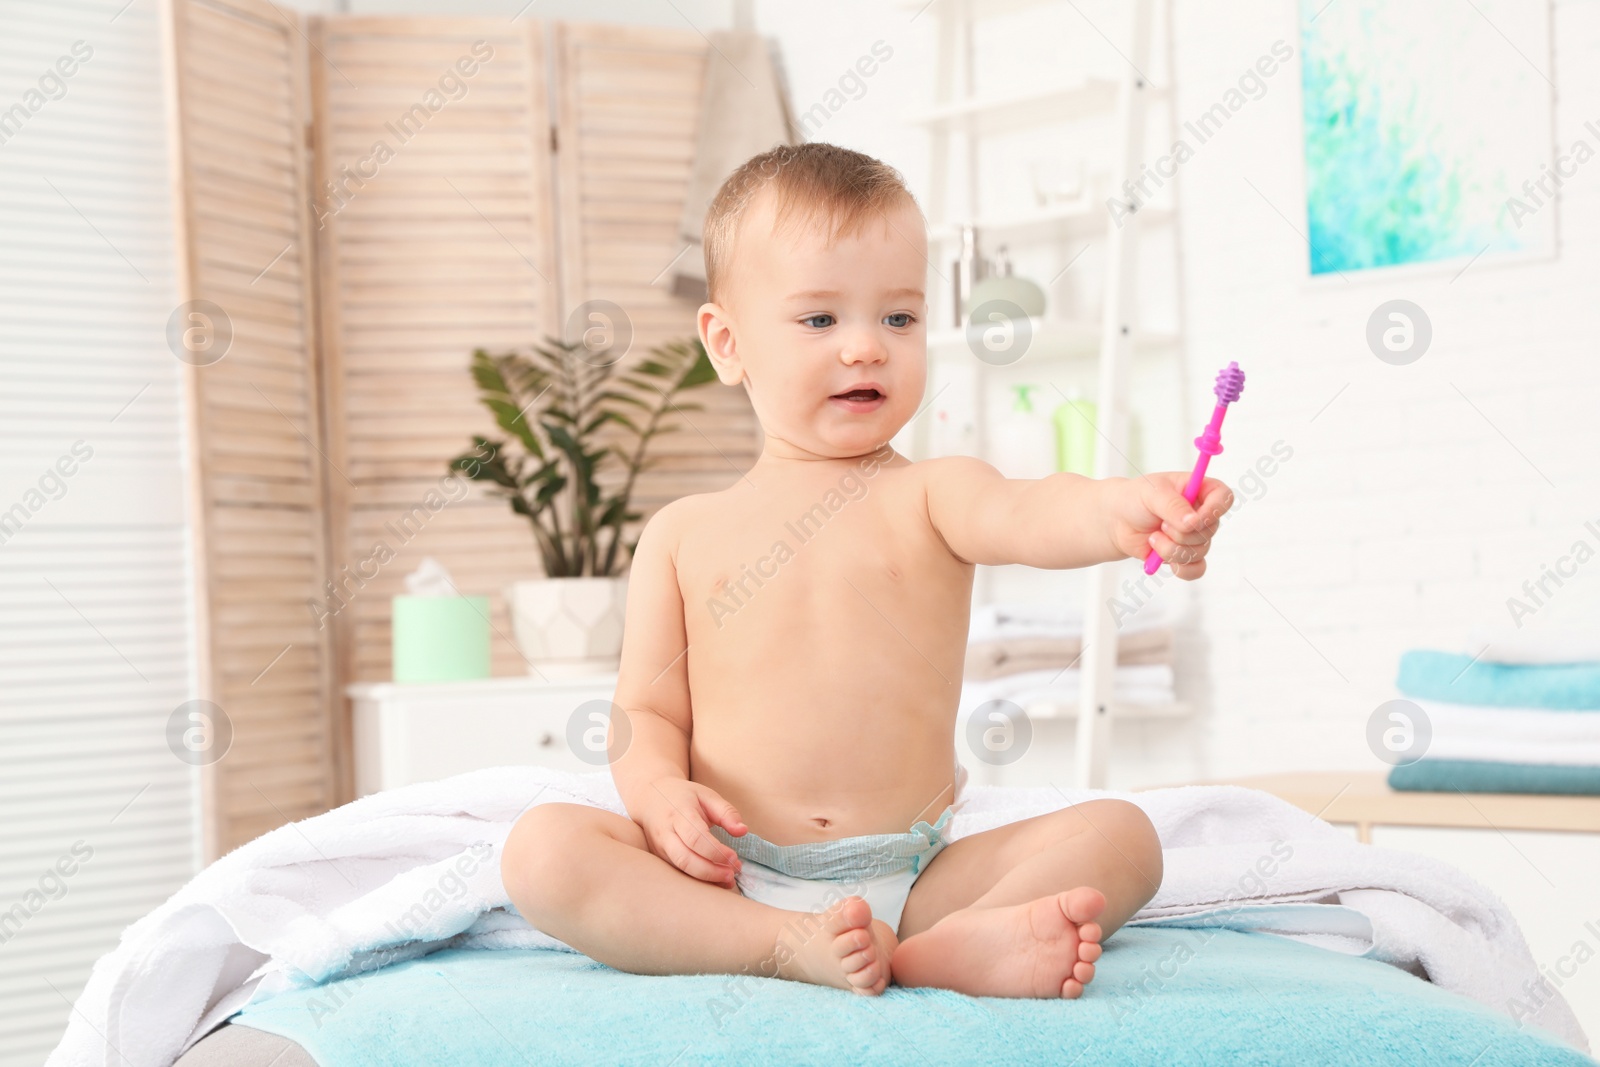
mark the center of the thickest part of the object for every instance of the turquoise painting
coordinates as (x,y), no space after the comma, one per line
(1427,131)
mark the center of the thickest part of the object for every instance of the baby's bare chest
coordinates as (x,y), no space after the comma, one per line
(815,560)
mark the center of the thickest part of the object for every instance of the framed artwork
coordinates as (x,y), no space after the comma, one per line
(1428,132)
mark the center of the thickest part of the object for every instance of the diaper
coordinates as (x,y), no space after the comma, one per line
(814,876)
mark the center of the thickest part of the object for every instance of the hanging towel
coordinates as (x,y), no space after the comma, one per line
(744,111)
(1459,680)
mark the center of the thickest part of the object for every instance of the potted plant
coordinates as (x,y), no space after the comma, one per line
(579,425)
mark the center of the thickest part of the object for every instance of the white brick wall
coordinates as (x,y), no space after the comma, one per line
(1404,519)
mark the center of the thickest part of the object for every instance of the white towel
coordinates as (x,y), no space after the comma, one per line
(1149,683)
(994,621)
(1504,643)
(744,110)
(1512,735)
(404,872)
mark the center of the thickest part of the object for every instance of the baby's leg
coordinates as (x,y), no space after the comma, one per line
(1021,910)
(585,876)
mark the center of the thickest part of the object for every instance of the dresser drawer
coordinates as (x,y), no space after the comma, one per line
(406,733)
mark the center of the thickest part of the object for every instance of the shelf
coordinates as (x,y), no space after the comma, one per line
(1123,710)
(998,114)
(1051,339)
(1364,798)
(1078,219)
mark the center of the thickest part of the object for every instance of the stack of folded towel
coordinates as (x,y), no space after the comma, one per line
(1506,725)
(1027,654)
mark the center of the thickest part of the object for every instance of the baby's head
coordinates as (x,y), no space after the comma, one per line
(816,258)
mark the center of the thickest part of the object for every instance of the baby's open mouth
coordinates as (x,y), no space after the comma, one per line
(858,394)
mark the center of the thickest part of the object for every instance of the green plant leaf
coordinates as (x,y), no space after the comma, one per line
(556,404)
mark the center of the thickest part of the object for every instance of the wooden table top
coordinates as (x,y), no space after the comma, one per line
(1365,799)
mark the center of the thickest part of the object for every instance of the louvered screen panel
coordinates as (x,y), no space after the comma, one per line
(435,243)
(94,597)
(628,106)
(243,111)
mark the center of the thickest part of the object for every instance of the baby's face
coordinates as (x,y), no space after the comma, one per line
(806,324)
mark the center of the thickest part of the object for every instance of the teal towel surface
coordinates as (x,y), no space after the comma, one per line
(1483,776)
(1456,679)
(1167,996)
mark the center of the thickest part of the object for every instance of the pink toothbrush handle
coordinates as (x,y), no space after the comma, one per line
(1209,443)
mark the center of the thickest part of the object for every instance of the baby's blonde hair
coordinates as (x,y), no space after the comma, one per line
(843,187)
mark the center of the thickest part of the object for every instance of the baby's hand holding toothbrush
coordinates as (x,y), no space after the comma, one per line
(1179,535)
(1151,512)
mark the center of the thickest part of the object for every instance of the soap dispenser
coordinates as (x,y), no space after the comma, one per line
(1001,284)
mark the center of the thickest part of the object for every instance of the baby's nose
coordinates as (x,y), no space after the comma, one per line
(863,350)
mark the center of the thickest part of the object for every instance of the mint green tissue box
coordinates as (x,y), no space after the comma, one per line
(440,638)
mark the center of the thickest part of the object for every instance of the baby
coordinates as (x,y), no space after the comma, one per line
(784,739)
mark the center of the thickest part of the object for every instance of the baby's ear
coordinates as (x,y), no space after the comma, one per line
(716,333)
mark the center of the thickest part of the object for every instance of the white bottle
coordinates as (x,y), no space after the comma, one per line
(1023,443)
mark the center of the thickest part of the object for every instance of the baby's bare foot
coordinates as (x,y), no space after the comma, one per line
(1045,948)
(843,946)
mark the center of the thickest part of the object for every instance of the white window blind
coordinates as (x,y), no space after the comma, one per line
(98,819)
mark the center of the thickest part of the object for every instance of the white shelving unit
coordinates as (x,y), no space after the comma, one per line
(959,122)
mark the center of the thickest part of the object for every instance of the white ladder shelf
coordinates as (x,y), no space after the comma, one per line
(959,111)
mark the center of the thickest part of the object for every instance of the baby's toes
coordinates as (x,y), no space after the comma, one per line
(1071,989)
(859,961)
(1089,933)
(1083,972)
(1083,905)
(851,942)
(1089,951)
(868,978)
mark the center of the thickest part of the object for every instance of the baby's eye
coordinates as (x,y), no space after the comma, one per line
(812,320)
(900,319)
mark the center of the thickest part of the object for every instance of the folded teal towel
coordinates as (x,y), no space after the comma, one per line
(1483,776)
(1457,679)
(1167,996)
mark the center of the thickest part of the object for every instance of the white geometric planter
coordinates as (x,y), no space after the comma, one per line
(569,627)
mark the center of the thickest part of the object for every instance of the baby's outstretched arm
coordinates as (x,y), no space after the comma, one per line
(1067,520)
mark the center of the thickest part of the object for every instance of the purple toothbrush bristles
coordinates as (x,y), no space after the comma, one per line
(1230,383)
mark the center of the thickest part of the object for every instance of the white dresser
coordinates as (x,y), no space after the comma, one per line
(409,732)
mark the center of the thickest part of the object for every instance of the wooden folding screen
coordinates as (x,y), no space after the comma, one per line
(416,188)
(258,508)
(628,102)
(433,193)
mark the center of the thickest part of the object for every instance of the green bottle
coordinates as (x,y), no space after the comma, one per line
(1075,421)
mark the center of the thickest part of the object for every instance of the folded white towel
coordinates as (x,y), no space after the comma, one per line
(994,621)
(1512,735)
(404,872)
(1534,645)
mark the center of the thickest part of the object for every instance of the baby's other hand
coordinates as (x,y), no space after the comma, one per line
(677,825)
(1152,513)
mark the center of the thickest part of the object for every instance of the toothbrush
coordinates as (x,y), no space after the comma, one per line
(1230,383)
